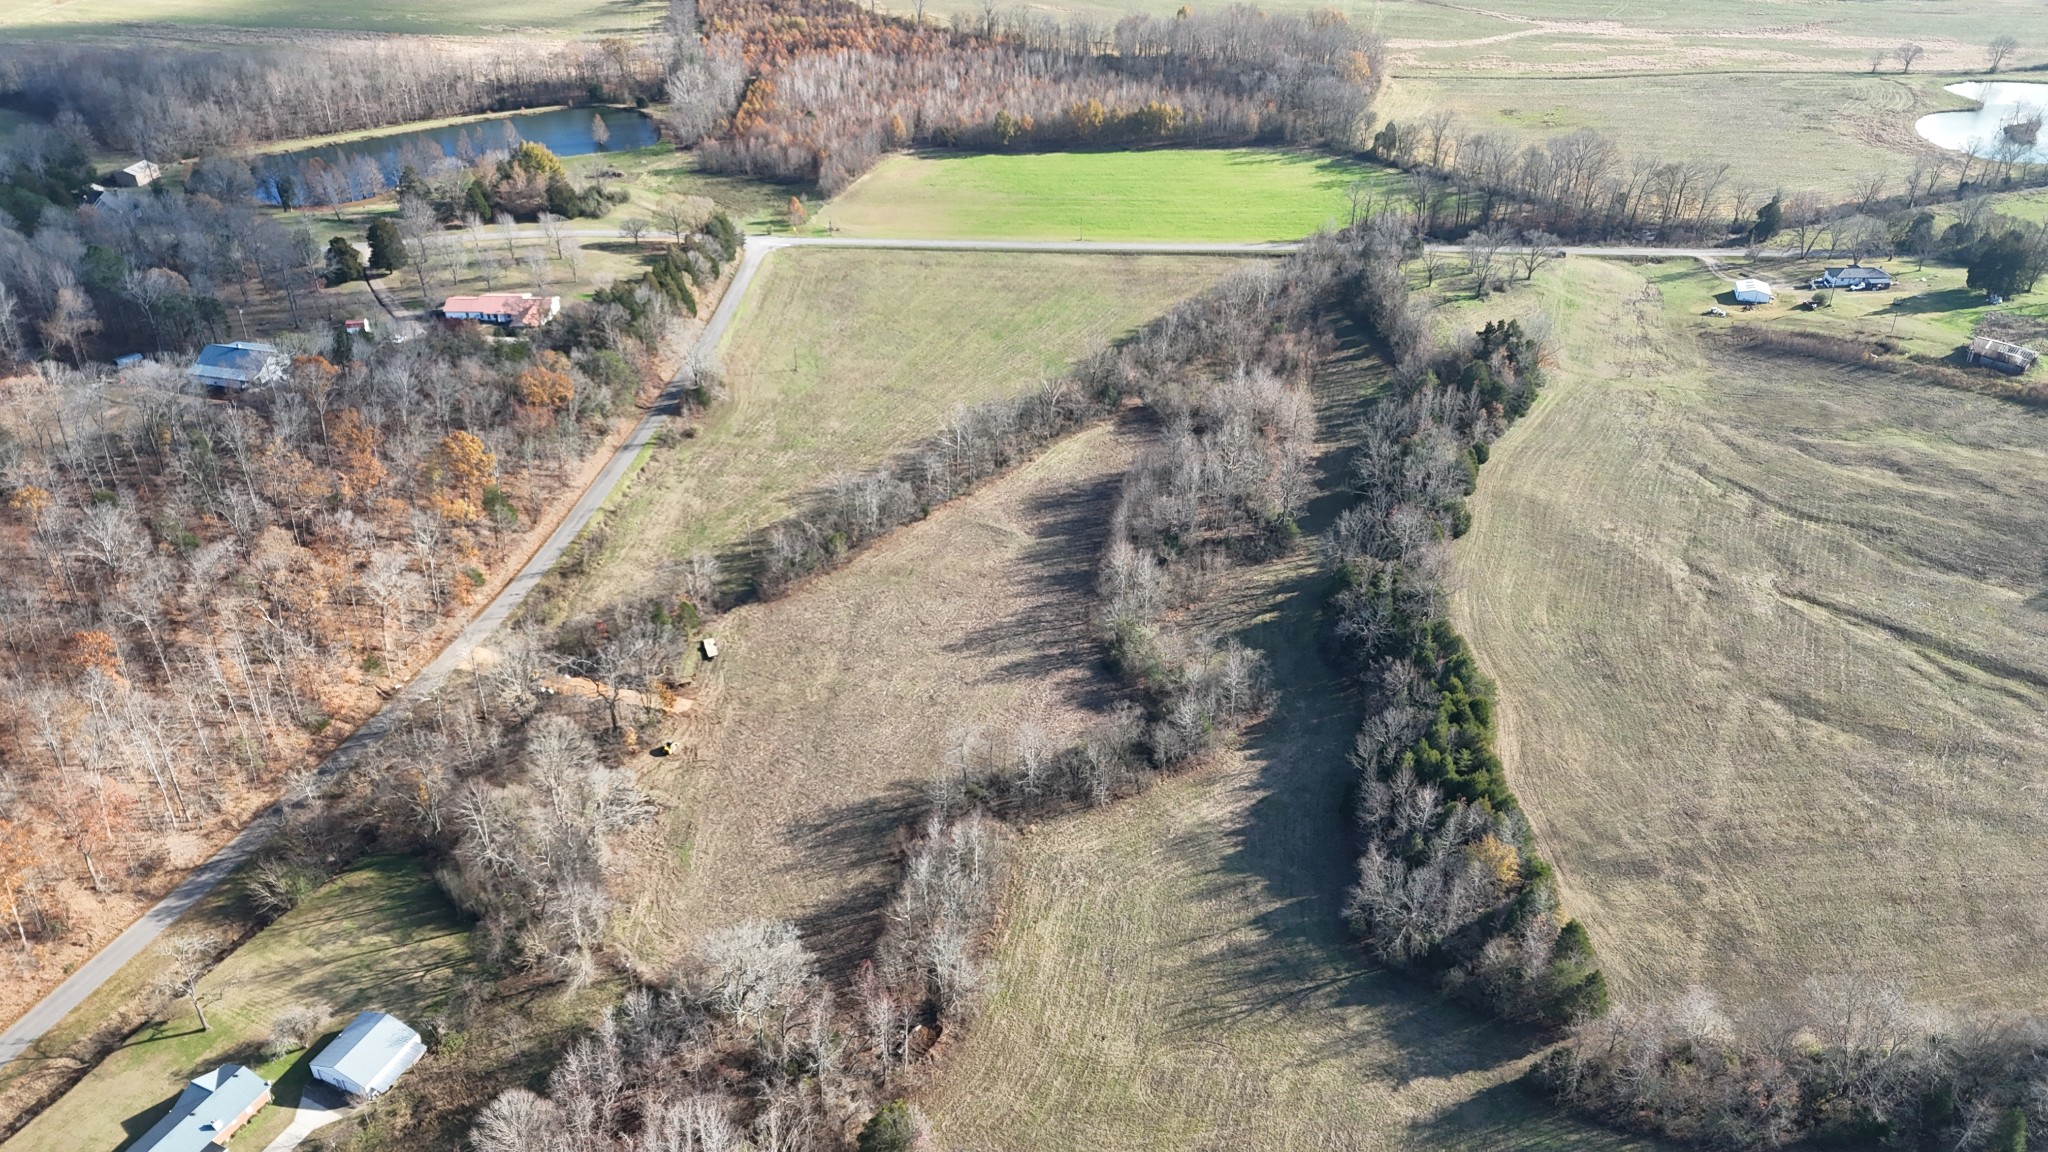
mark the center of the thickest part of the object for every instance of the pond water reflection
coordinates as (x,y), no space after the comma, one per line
(2005,128)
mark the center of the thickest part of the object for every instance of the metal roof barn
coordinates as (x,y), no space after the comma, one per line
(370,1054)
(1753,292)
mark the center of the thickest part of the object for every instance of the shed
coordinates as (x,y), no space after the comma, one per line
(2008,358)
(237,367)
(1753,292)
(370,1054)
(128,361)
(709,647)
(137,174)
(356,324)
(212,1108)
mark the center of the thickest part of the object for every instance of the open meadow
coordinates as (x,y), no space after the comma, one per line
(1229,194)
(1772,657)
(381,935)
(838,358)
(1173,971)
(199,18)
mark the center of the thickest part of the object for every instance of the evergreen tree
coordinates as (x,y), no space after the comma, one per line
(477,200)
(344,263)
(1769,219)
(387,251)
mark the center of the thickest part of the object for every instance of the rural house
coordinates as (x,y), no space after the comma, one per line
(137,174)
(1855,277)
(2008,358)
(505,309)
(1753,292)
(237,367)
(212,1108)
(370,1055)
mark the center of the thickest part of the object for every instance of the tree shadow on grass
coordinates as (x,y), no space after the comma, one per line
(857,841)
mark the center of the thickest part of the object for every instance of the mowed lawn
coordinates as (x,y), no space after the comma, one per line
(1773,658)
(451,18)
(838,358)
(1235,194)
(381,935)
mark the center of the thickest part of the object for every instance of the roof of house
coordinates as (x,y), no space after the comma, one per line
(1859,272)
(522,307)
(241,361)
(370,1054)
(1742,286)
(207,1106)
(1988,346)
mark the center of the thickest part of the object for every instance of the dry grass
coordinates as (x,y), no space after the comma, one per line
(1772,657)
(1173,971)
(828,709)
(840,357)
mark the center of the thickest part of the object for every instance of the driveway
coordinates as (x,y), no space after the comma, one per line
(320,1104)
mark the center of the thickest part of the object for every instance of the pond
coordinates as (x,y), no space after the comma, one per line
(359,169)
(2007,127)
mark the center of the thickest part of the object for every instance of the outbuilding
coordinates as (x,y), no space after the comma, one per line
(1753,292)
(2011,359)
(138,174)
(370,1055)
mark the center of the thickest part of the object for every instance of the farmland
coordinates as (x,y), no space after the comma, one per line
(838,358)
(380,936)
(70,18)
(1206,194)
(1770,654)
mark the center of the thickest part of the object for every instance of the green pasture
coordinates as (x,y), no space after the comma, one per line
(1236,194)
(379,936)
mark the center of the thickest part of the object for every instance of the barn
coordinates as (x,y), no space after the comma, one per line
(1753,292)
(370,1055)
(2011,359)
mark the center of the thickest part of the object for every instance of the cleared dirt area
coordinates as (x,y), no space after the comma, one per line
(1773,657)
(828,709)
(1173,970)
(840,357)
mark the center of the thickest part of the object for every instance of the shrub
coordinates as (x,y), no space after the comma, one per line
(898,1127)
(295,1028)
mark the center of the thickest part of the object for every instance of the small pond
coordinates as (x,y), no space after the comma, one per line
(360,169)
(2003,129)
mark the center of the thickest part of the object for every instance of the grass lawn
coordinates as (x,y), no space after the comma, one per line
(379,936)
(839,357)
(1771,651)
(1176,194)
(455,18)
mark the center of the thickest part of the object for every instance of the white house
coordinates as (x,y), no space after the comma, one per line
(1855,277)
(1753,292)
(370,1055)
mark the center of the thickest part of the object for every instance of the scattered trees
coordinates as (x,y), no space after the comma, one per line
(2000,50)
(1907,54)
(188,958)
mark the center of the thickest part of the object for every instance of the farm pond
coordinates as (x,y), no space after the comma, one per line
(359,169)
(2006,126)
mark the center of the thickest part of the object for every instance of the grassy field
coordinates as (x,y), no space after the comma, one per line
(1173,971)
(459,18)
(1211,194)
(1771,655)
(379,936)
(838,358)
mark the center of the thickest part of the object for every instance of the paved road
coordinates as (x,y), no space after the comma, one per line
(129,944)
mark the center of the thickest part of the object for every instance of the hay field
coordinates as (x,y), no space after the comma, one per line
(840,357)
(1173,971)
(196,18)
(829,708)
(1772,651)
(381,935)
(1216,194)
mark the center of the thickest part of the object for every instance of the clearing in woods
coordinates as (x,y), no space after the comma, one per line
(829,709)
(1173,971)
(838,358)
(381,935)
(1220,194)
(1773,657)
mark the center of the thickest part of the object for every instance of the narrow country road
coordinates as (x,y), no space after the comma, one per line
(40,1018)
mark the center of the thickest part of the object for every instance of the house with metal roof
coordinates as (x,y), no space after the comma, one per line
(239,366)
(212,1108)
(1855,277)
(138,174)
(1753,292)
(505,309)
(370,1054)
(2012,359)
